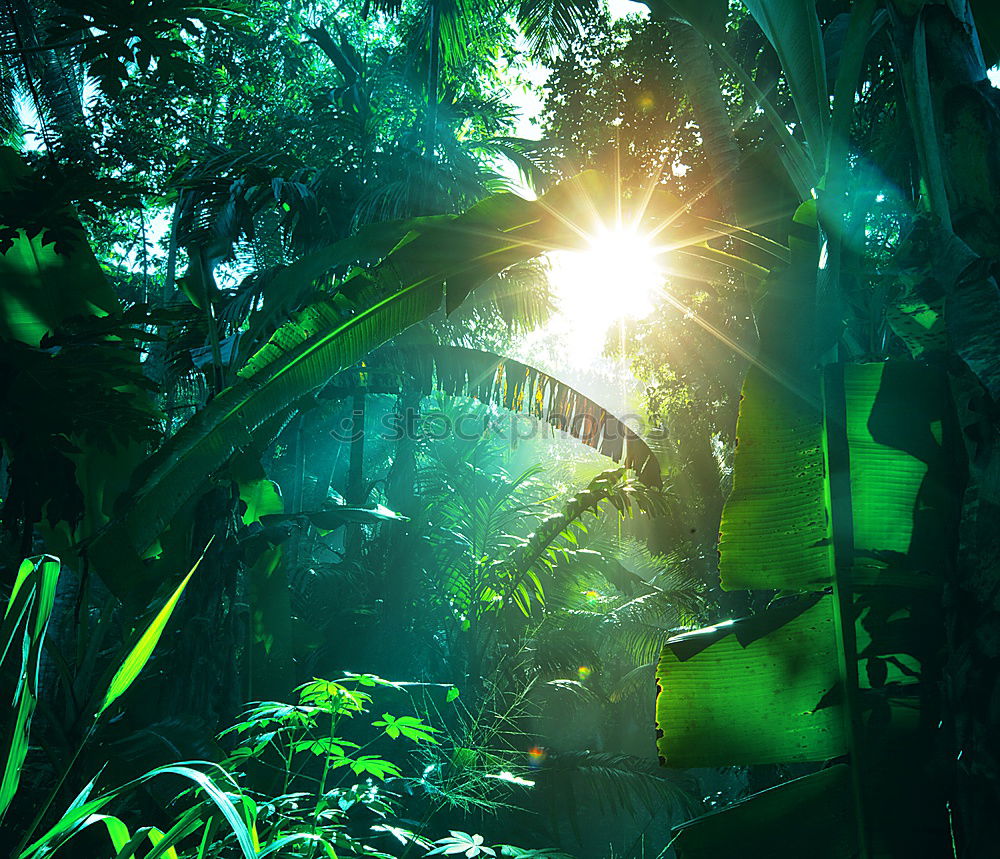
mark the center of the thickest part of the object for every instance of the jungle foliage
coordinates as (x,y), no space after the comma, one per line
(254,256)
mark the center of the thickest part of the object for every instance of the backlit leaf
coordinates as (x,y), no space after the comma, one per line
(143,649)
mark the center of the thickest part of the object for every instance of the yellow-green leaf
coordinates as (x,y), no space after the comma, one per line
(143,650)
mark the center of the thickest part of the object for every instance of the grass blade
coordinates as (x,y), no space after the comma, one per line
(143,650)
(25,620)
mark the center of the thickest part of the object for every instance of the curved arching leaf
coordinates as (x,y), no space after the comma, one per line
(445,259)
(332,334)
(22,631)
(519,387)
(793,28)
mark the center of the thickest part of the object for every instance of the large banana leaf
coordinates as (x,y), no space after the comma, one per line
(878,482)
(331,335)
(775,531)
(289,286)
(808,816)
(752,691)
(792,27)
(445,258)
(898,427)
(519,387)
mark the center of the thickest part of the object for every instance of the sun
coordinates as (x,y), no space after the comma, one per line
(614,277)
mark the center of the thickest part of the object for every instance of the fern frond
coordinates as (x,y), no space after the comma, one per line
(541,551)
(620,783)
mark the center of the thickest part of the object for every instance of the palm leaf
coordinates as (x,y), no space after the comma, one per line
(619,783)
(331,335)
(549,23)
(518,387)
(517,579)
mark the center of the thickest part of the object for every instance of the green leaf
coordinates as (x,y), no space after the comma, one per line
(146,833)
(338,515)
(46,282)
(374,765)
(792,27)
(775,530)
(408,726)
(261,497)
(752,691)
(334,333)
(79,816)
(808,816)
(22,633)
(285,840)
(143,649)
(896,417)
(291,284)
(519,387)
(508,578)
(451,695)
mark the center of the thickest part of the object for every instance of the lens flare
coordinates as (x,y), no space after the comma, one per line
(536,757)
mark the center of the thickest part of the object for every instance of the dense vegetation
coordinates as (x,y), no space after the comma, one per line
(315,537)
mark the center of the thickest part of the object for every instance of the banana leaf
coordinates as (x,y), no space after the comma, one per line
(775,531)
(792,27)
(853,670)
(442,259)
(505,382)
(752,691)
(326,338)
(808,816)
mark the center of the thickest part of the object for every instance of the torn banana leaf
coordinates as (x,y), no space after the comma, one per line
(775,532)
(808,816)
(753,691)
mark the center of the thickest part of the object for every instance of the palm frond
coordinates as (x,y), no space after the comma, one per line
(518,387)
(619,783)
(515,579)
(549,24)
